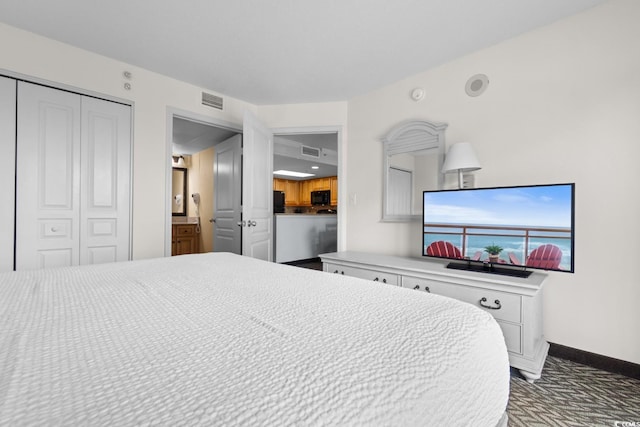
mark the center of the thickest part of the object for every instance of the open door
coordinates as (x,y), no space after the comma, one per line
(227,182)
(257,189)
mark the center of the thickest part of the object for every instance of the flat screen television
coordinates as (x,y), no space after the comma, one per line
(529,226)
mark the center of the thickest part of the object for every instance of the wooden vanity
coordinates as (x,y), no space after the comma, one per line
(184,239)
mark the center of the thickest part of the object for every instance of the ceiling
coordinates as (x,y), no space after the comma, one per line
(285,51)
(191,137)
(317,140)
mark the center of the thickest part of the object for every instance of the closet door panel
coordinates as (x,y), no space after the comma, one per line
(7,171)
(106,143)
(47,177)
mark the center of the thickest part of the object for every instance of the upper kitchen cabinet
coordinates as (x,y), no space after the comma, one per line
(291,193)
(305,193)
(291,190)
(320,184)
(278,184)
(334,190)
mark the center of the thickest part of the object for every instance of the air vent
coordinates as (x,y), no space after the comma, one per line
(310,151)
(211,100)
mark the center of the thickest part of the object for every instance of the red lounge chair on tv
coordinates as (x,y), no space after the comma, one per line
(443,249)
(547,257)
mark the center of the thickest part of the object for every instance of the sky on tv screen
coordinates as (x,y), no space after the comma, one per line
(548,206)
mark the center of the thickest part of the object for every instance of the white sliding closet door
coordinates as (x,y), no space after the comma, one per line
(48,178)
(105,165)
(7,171)
(73,179)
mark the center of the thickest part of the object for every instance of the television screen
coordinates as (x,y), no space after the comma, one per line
(526,226)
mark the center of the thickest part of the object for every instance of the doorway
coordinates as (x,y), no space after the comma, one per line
(193,141)
(306,162)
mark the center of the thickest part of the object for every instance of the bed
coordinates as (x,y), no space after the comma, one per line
(222,339)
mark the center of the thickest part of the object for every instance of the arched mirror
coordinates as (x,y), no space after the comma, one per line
(413,157)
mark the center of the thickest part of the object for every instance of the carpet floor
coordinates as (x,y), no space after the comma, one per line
(571,394)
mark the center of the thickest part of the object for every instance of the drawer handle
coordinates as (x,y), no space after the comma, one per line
(426,288)
(377,280)
(340,272)
(496,302)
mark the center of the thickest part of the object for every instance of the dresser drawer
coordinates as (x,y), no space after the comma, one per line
(184,230)
(363,273)
(507,308)
(512,336)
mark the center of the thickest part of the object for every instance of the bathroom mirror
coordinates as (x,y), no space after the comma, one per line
(179,192)
(413,158)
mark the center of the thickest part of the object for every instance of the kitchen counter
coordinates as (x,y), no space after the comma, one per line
(304,236)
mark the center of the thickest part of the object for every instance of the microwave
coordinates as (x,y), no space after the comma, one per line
(321,197)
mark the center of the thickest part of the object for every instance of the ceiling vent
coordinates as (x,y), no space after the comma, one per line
(212,100)
(310,151)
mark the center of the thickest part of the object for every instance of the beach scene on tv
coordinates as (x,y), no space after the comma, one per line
(526,226)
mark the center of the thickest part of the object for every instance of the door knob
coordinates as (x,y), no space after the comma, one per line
(212,220)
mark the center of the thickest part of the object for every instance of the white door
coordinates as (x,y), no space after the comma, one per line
(257,189)
(47,177)
(105,166)
(227,192)
(72,179)
(7,171)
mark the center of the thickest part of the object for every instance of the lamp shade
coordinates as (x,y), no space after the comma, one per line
(461,158)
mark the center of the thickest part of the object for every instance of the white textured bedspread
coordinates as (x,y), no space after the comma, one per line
(220,339)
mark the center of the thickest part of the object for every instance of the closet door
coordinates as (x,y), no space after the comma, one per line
(47,177)
(7,171)
(105,181)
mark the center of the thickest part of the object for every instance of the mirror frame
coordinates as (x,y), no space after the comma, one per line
(184,192)
(409,137)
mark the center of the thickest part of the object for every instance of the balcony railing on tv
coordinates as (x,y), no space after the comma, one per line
(463,232)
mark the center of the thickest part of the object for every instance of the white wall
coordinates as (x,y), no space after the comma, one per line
(563,105)
(32,55)
(304,115)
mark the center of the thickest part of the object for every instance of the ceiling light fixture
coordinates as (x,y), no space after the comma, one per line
(292,173)
(315,167)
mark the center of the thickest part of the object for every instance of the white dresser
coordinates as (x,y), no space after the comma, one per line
(516,303)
